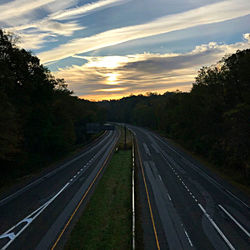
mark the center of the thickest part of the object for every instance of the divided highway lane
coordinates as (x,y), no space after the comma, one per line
(191,207)
(33,217)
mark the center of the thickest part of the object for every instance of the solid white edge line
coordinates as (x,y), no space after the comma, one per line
(23,189)
(234,220)
(169,197)
(29,220)
(189,240)
(216,227)
(201,171)
(160,177)
(133,202)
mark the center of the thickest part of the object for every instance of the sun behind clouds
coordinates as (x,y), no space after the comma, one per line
(112,78)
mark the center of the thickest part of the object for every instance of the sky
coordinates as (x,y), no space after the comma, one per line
(107,49)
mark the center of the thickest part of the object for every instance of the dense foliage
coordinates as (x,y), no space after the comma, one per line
(212,120)
(39,118)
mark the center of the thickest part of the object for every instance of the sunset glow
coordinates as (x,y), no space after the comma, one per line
(110,90)
(156,47)
(112,78)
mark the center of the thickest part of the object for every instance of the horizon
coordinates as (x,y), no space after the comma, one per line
(117,98)
(110,49)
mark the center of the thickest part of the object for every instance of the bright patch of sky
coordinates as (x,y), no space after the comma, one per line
(112,48)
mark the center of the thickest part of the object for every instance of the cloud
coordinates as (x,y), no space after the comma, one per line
(30,31)
(118,76)
(204,15)
(35,35)
(23,11)
(65,29)
(85,9)
(247,36)
(205,54)
(18,8)
(35,41)
(60,5)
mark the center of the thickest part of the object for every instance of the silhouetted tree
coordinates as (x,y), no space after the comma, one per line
(39,117)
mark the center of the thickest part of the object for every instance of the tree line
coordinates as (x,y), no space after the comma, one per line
(213,119)
(40,120)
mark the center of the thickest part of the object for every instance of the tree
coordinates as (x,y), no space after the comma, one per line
(39,118)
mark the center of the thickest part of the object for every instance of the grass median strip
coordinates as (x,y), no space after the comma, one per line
(106,221)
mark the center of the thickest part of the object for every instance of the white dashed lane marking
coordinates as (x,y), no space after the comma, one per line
(205,213)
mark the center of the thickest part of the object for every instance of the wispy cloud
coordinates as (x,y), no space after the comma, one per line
(35,41)
(18,8)
(52,24)
(33,32)
(123,75)
(58,28)
(35,35)
(208,14)
(85,9)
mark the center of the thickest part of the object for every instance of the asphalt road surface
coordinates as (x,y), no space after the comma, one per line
(34,216)
(185,205)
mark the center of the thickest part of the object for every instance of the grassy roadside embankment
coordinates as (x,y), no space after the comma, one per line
(106,220)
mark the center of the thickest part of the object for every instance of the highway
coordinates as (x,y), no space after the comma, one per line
(35,216)
(184,205)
